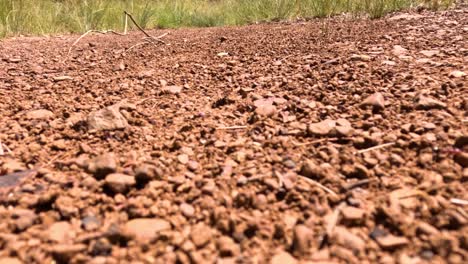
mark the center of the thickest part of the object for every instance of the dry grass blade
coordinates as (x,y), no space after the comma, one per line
(147,41)
(314,142)
(375,148)
(87,33)
(252,179)
(54,159)
(318,184)
(158,38)
(459,201)
(231,127)
(143,31)
(360,183)
(148,38)
(4,148)
(333,220)
(136,45)
(279,176)
(126,24)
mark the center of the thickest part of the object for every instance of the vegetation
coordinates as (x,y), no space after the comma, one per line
(59,16)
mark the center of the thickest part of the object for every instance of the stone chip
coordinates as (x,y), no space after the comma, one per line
(144,229)
(108,118)
(119,183)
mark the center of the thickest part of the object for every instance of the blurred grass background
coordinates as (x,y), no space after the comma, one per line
(43,17)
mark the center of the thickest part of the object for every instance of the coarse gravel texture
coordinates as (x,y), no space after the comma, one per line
(322,141)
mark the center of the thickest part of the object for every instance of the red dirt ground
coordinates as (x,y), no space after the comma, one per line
(326,141)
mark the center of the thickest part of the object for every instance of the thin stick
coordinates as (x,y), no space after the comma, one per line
(285,57)
(375,148)
(314,142)
(158,37)
(136,24)
(334,219)
(54,159)
(126,24)
(318,184)
(231,127)
(280,178)
(1,149)
(136,45)
(416,193)
(6,148)
(88,32)
(141,29)
(76,42)
(143,100)
(147,40)
(360,183)
(255,178)
(459,201)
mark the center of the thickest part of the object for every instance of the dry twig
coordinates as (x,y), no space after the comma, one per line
(459,201)
(134,46)
(333,220)
(4,147)
(55,158)
(360,183)
(141,29)
(375,148)
(318,184)
(147,39)
(143,100)
(252,179)
(231,128)
(126,24)
(313,142)
(280,178)
(88,32)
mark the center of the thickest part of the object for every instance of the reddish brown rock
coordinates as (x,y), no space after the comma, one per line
(227,247)
(119,183)
(283,257)
(302,239)
(10,260)
(40,114)
(201,235)
(390,242)
(352,214)
(103,165)
(428,103)
(322,128)
(60,232)
(267,110)
(375,100)
(172,89)
(109,118)
(144,229)
(348,239)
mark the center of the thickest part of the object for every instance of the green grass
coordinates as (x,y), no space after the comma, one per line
(41,17)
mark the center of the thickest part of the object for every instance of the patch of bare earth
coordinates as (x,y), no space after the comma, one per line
(337,141)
